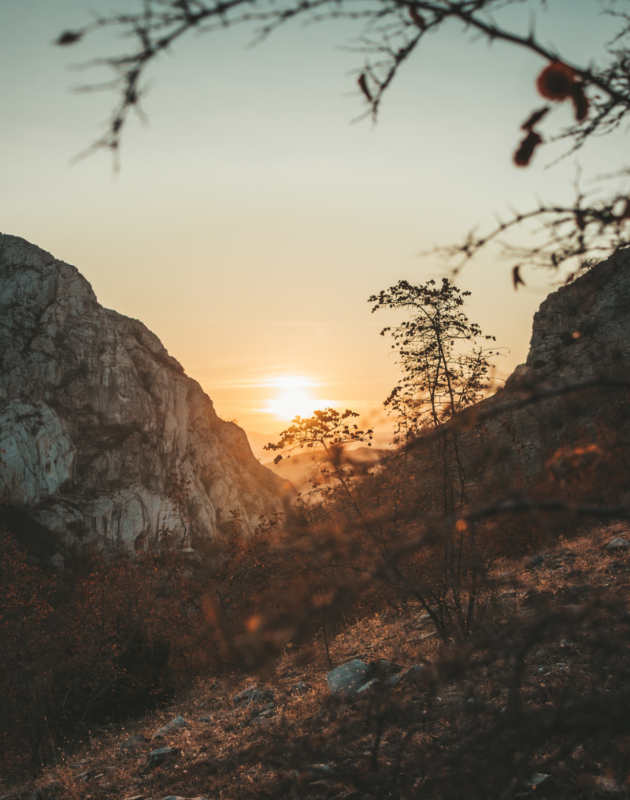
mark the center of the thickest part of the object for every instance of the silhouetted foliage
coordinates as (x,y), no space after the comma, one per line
(389,33)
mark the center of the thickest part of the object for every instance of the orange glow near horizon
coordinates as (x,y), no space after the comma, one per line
(294,398)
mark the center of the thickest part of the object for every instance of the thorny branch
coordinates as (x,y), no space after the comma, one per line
(389,33)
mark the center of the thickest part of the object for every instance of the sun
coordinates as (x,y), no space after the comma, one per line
(293,399)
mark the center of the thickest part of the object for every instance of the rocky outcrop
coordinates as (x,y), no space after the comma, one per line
(582,329)
(572,444)
(580,332)
(97,419)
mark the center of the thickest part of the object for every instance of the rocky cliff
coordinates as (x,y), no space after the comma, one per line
(96,418)
(581,331)
(573,444)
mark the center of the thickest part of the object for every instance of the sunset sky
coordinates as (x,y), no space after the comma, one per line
(251,219)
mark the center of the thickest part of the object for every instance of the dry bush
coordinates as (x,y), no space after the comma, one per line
(113,641)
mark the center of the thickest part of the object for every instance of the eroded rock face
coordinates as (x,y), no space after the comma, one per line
(580,332)
(96,418)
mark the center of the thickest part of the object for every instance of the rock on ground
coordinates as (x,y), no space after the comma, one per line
(347,680)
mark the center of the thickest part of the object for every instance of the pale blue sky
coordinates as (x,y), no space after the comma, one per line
(251,219)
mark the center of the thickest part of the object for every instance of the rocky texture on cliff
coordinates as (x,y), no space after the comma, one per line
(580,332)
(571,444)
(96,419)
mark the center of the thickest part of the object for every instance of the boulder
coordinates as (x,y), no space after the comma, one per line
(616,544)
(347,680)
(253,694)
(173,725)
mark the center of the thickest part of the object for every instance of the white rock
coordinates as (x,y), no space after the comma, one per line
(97,418)
(617,544)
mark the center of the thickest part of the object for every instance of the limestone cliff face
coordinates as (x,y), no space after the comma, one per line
(96,418)
(581,331)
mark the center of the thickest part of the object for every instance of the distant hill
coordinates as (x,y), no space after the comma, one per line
(301,467)
(381,441)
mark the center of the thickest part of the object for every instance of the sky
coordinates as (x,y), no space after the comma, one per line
(252,217)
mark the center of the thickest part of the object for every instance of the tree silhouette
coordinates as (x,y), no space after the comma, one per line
(444,369)
(328,431)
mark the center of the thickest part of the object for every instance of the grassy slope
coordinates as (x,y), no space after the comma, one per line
(235,755)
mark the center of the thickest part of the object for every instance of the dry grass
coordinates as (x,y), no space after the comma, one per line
(386,744)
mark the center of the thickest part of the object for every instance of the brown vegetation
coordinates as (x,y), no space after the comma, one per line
(543,695)
(390,559)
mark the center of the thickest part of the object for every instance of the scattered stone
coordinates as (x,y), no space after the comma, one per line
(174,797)
(173,725)
(347,679)
(265,712)
(300,688)
(537,778)
(617,544)
(205,719)
(133,741)
(157,757)
(562,559)
(534,561)
(136,797)
(253,694)
(533,783)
